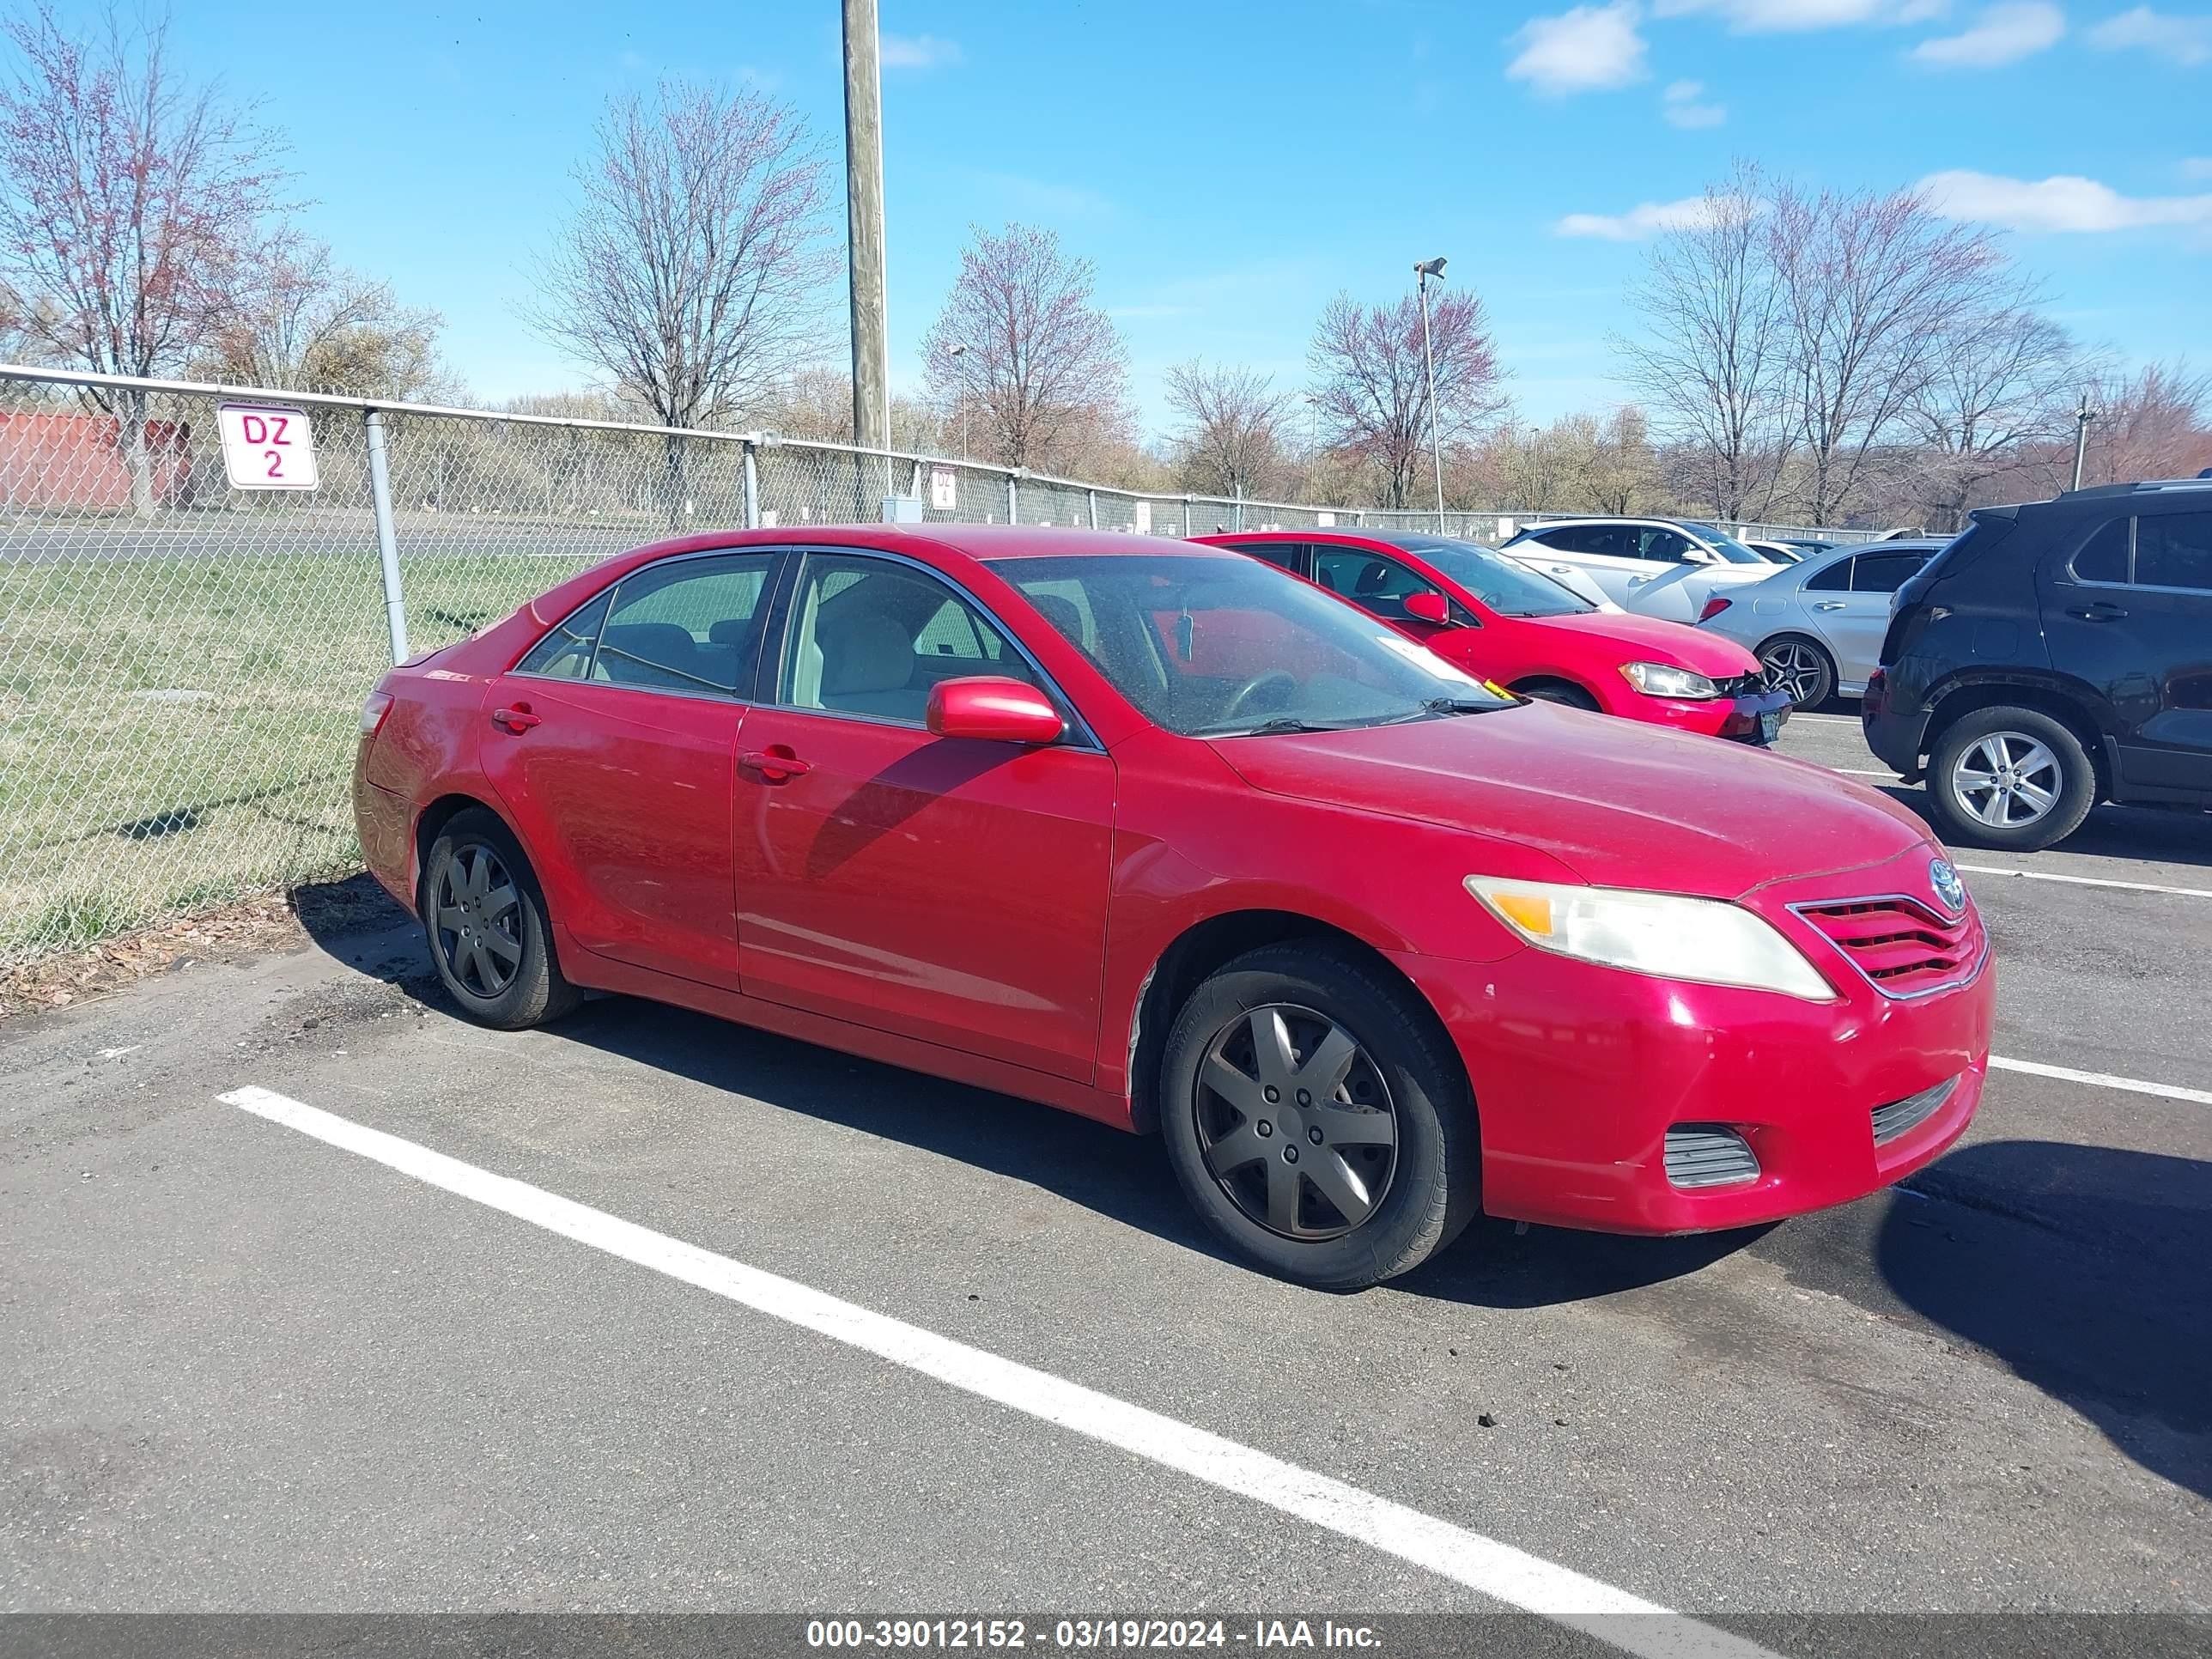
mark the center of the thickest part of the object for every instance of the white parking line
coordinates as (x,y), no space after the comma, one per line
(1824,720)
(1494,1568)
(2086,881)
(2133,1085)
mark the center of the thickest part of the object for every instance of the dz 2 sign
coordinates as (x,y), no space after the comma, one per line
(267,447)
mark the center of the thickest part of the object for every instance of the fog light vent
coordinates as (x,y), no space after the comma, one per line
(1910,1113)
(1708,1155)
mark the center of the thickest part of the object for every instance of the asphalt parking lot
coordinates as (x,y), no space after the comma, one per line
(255,1365)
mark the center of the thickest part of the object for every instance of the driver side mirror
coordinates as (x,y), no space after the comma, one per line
(1697,556)
(1429,607)
(993,709)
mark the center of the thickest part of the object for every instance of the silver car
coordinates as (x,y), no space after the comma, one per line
(1816,628)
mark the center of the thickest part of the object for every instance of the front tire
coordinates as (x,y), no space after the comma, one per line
(485,916)
(2014,778)
(1317,1119)
(1558,691)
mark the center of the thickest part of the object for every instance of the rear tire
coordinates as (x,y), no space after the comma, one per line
(1803,667)
(486,919)
(1558,691)
(2014,778)
(1284,1195)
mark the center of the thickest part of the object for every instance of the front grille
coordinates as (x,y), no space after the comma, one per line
(1708,1155)
(1902,946)
(1742,685)
(1901,1116)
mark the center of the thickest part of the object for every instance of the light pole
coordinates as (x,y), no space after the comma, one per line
(960,400)
(1422,272)
(2082,415)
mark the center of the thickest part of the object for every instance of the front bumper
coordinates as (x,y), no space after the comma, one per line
(1579,1071)
(1740,719)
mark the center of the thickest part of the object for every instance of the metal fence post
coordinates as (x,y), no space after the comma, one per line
(1014,501)
(1092,496)
(1239,523)
(753,484)
(387,544)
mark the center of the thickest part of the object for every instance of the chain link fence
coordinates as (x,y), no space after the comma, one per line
(182,663)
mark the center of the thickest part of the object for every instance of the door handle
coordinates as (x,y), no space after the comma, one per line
(516,721)
(2098,611)
(774,767)
(1829,604)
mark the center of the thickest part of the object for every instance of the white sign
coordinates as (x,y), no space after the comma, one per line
(1143,518)
(267,447)
(943,488)
(1324,520)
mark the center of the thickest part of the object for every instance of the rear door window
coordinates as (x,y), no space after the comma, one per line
(1287,556)
(2174,549)
(687,625)
(1884,573)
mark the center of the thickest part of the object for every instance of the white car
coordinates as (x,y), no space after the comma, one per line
(1816,628)
(1777,552)
(1652,566)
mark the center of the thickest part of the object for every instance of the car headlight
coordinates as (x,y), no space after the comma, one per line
(1659,679)
(1709,941)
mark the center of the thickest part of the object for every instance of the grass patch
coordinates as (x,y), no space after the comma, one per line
(178,730)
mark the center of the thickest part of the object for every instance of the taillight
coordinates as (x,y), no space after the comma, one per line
(374,709)
(1714,606)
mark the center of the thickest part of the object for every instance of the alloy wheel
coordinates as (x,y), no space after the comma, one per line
(2008,780)
(479,921)
(1295,1121)
(1793,666)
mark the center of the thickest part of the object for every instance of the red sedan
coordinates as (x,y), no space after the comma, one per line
(1166,837)
(1496,618)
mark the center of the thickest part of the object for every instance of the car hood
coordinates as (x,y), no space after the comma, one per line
(1652,639)
(1620,804)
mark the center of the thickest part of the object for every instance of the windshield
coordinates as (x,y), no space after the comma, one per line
(1725,545)
(1223,646)
(1507,586)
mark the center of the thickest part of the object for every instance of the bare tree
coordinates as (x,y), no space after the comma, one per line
(2154,423)
(1022,347)
(1997,388)
(129,201)
(1873,286)
(1233,434)
(1711,361)
(693,271)
(1371,382)
(298,321)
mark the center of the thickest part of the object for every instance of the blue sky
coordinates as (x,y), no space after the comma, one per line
(1229,168)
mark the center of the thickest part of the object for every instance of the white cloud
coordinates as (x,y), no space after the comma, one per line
(917,51)
(2197,167)
(1681,106)
(2183,39)
(2063,203)
(1646,219)
(1583,50)
(2003,33)
(1796,17)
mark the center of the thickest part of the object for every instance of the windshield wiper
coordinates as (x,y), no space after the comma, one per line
(1441,706)
(1277,726)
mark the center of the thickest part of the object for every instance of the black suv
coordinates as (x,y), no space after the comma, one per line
(2057,654)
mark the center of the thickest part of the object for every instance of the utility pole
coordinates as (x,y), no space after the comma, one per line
(864,198)
(1422,272)
(2082,415)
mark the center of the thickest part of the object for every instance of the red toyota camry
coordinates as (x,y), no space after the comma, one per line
(1496,618)
(1167,837)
